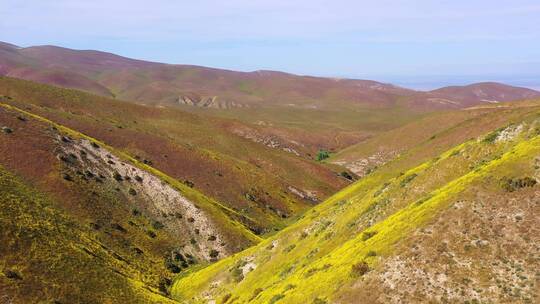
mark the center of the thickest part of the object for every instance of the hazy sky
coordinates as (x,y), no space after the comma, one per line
(396,40)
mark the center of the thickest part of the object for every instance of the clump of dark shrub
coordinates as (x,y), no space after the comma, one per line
(237,274)
(346,175)
(119,228)
(368,234)
(371,253)
(67,177)
(11,274)
(118,177)
(213,253)
(256,292)
(157,225)
(276,298)
(7,130)
(513,184)
(359,269)
(172,267)
(138,179)
(226,298)
(69,158)
(407,179)
(491,137)
(132,191)
(289,248)
(164,284)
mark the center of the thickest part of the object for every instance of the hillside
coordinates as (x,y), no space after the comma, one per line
(126,181)
(452,226)
(73,205)
(474,94)
(266,185)
(432,133)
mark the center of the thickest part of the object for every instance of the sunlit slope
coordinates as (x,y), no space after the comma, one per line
(430,135)
(47,256)
(266,184)
(393,235)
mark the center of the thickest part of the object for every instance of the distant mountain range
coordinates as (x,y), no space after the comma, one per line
(167,84)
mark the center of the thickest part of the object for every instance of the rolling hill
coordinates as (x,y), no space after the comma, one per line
(84,222)
(126,181)
(167,84)
(453,226)
(266,185)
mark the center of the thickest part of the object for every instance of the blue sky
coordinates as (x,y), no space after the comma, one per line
(418,43)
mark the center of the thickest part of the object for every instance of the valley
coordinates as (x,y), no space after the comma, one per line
(126,181)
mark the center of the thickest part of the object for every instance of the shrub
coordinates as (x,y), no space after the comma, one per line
(7,130)
(407,179)
(225,298)
(67,177)
(157,225)
(213,253)
(371,253)
(491,137)
(346,175)
(172,267)
(513,184)
(237,274)
(289,287)
(276,298)
(118,177)
(256,292)
(132,191)
(322,155)
(289,248)
(13,275)
(368,234)
(164,284)
(359,269)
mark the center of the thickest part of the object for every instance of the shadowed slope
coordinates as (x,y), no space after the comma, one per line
(264,184)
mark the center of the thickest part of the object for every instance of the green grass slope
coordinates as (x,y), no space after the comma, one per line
(458,227)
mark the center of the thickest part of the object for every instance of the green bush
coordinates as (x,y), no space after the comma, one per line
(322,155)
(276,298)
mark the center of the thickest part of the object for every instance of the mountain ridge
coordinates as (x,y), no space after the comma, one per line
(105,73)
